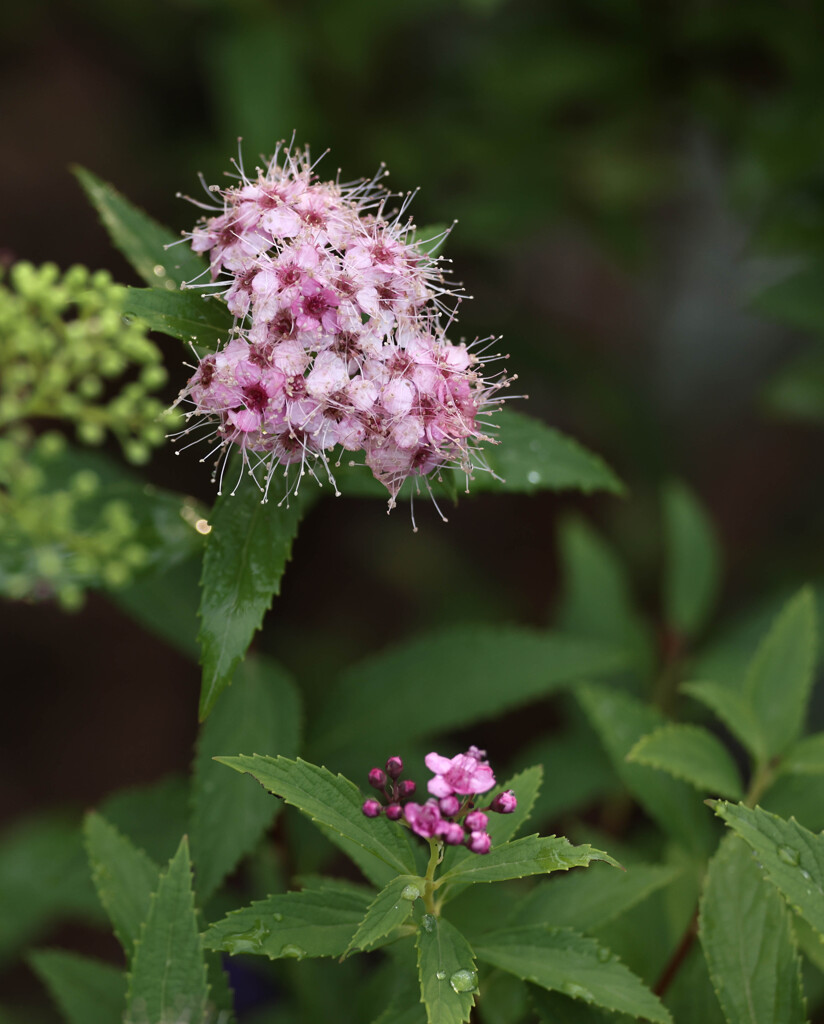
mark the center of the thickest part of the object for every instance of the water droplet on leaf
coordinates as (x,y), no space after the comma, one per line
(533,476)
(292,952)
(428,922)
(789,855)
(464,980)
(604,955)
(440,975)
(578,992)
(410,892)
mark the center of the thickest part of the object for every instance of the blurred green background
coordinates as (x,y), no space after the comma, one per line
(640,195)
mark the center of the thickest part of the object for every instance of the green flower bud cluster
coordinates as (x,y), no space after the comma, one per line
(58,542)
(67,353)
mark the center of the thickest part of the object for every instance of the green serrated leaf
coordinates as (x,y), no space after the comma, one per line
(202,322)
(246,555)
(552,1008)
(597,599)
(141,240)
(153,817)
(588,900)
(690,753)
(86,991)
(388,911)
(221,1004)
(532,457)
(533,855)
(620,721)
(168,975)
(123,875)
(260,710)
(564,961)
(747,939)
(314,922)
(44,878)
(333,802)
(734,710)
(447,972)
(692,570)
(805,757)
(435,668)
(791,856)
(779,677)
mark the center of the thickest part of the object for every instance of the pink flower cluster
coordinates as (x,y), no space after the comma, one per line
(339,341)
(445,815)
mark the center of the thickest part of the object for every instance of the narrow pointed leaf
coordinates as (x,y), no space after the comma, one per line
(203,323)
(333,802)
(690,753)
(390,909)
(508,666)
(692,573)
(805,757)
(315,922)
(141,239)
(86,991)
(620,721)
(153,817)
(447,972)
(748,942)
(780,675)
(533,855)
(532,457)
(732,708)
(246,555)
(564,961)
(123,875)
(260,711)
(791,857)
(168,976)
(588,900)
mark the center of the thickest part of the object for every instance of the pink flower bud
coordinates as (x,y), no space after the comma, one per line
(476,821)
(377,778)
(504,803)
(450,805)
(394,767)
(452,833)
(406,788)
(371,808)
(423,819)
(394,812)
(479,842)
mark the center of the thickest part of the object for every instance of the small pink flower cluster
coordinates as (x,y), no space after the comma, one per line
(339,343)
(449,814)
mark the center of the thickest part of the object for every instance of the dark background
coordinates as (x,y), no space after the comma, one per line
(628,177)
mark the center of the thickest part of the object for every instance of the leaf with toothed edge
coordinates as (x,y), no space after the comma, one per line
(389,909)
(205,324)
(87,991)
(691,753)
(246,555)
(446,969)
(155,252)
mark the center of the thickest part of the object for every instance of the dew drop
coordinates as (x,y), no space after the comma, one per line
(578,992)
(604,955)
(292,952)
(428,922)
(159,270)
(464,980)
(789,855)
(410,892)
(277,917)
(805,875)
(440,975)
(533,476)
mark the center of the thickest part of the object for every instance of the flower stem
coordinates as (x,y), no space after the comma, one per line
(435,857)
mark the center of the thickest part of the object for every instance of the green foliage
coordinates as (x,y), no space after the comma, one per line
(433,667)
(164,986)
(261,709)
(153,251)
(334,803)
(87,991)
(748,942)
(620,721)
(564,961)
(246,554)
(184,315)
(447,972)
(692,561)
(153,817)
(123,875)
(791,857)
(733,709)
(388,911)
(318,921)
(691,753)
(806,757)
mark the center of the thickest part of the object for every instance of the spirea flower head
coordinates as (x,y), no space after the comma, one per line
(340,342)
